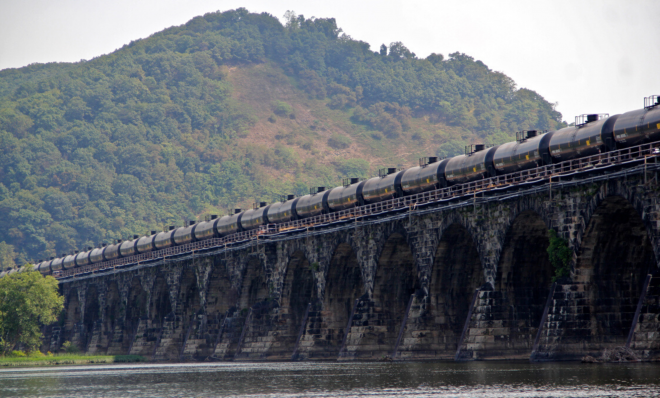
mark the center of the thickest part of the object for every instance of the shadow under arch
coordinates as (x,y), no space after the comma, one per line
(298,292)
(91,317)
(253,319)
(136,311)
(72,319)
(221,301)
(253,286)
(394,284)
(161,305)
(456,273)
(522,284)
(343,285)
(112,319)
(614,258)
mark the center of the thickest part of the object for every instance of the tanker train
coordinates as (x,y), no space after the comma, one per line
(592,134)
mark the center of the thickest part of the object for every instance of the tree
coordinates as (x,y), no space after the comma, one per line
(7,256)
(27,301)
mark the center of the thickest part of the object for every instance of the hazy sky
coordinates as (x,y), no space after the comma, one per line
(588,56)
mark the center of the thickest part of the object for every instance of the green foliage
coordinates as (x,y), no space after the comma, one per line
(27,301)
(282,109)
(150,134)
(7,256)
(339,141)
(559,255)
(69,348)
(353,167)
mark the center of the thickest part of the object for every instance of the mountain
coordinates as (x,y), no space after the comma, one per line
(228,109)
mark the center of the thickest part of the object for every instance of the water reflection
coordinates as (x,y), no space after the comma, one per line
(336,379)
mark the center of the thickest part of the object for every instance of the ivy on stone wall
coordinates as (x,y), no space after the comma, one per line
(559,254)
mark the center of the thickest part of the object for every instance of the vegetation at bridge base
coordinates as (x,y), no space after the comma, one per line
(559,254)
(36,358)
(28,300)
(228,109)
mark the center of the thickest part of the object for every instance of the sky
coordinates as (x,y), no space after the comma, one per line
(587,56)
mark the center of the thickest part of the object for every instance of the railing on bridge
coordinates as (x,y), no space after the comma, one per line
(620,157)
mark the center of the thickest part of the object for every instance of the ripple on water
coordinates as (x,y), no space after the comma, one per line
(286,379)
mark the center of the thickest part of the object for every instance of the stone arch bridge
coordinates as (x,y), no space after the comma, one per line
(465,280)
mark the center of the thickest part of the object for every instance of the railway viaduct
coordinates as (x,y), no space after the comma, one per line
(467,279)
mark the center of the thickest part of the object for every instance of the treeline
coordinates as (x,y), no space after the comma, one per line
(146,136)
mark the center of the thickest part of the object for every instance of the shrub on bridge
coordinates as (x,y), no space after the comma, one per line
(559,254)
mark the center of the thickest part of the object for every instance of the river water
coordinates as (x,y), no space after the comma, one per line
(437,379)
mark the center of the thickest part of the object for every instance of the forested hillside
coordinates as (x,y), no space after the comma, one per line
(228,109)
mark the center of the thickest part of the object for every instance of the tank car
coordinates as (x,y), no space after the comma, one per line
(639,126)
(206,229)
(589,136)
(230,224)
(111,252)
(164,239)
(530,150)
(185,234)
(346,196)
(424,177)
(253,218)
(280,212)
(476,164)
(384,187)
(313,204)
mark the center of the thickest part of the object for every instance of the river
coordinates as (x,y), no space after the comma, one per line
(305,379)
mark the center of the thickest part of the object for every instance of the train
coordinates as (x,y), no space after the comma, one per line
(590,135)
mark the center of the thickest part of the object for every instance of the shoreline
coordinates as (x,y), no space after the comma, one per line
(68,359)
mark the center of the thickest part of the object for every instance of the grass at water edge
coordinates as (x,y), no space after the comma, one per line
(68,359)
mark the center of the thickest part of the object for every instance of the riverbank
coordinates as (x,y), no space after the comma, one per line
(68,359)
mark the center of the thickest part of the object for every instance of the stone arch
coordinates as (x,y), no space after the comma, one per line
(298,291)
(395,282)
(522,284)
(612,262)
(91,315)
(457,272)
